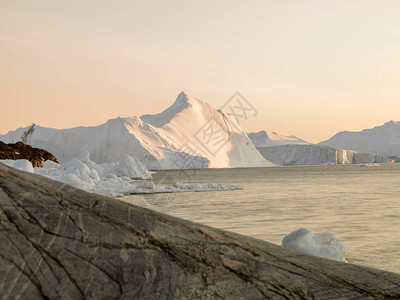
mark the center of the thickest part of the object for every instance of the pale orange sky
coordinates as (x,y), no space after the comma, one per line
(311,68)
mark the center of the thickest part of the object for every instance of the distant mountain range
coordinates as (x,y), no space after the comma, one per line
(382,140)
(189,134)
(310,154)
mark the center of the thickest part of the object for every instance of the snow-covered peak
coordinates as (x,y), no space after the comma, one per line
(122,121)
(267,139)
(190,123)
(182,102)
(382,140)
(392,123)
(183,97)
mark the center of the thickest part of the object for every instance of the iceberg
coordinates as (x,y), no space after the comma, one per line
(287,155)
(322,245)
(180,137)
(179,187)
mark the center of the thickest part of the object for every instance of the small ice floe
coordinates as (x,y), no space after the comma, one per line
(21,164)
(323,245)
(150,188)
(368,165)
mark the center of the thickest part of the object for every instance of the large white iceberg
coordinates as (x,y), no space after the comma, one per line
(322,245)
(189,134)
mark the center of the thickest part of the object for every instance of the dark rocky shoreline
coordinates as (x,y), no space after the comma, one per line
(58,242)
(22,151)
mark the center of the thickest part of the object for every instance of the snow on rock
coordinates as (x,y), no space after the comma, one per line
(21,164)
(267,139)
(382,140)
(178,138)
(286,155)
(323,245)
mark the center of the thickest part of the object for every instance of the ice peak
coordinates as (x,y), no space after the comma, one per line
(184,99)
(181,100)
(262,134)
(183,94)
(181,103)
(120,120)
(391,123)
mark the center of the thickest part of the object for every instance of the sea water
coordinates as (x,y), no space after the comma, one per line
(361,205)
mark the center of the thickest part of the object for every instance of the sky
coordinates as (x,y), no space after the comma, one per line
(310,68)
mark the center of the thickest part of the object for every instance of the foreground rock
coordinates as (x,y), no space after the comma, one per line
(22,151)
(288,155)
(58,242)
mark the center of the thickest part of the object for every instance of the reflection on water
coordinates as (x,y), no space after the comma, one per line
(361,205)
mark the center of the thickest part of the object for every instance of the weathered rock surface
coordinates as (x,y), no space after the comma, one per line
(22,151)
(58,242)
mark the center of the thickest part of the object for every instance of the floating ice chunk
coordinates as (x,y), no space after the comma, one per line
(323,245)
(77,167)
(20,164)
(198,187)
(148,185)
(84,156)
(127,166)
(49,164)
(368,165)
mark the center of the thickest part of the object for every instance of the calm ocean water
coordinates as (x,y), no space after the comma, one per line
(361,205)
